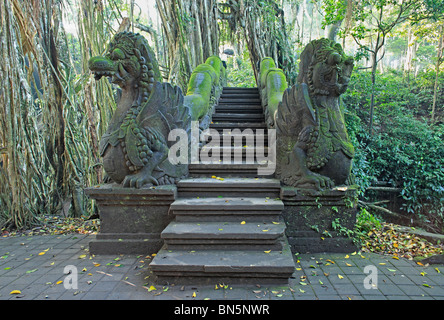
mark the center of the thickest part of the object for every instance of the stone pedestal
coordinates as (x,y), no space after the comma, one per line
(318,221)
(131,220)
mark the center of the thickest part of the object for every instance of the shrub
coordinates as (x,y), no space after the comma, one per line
(404,150)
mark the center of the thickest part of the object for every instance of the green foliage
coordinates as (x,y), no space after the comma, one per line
(365,221)
(405,150)
(240,72)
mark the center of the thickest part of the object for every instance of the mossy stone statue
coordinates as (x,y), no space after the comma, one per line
(135,145)
(313,147)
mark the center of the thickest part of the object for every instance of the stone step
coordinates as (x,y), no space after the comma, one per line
(232,266)
(223,235)
(238,125)
(227,209)
(229,187)
(239,95)
(242,90)
(244,117)
(234,152)
(234,169)
(246,101)
(229,108)
(248,137)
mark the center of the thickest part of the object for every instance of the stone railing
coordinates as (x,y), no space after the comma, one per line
(272,85)
(204,88)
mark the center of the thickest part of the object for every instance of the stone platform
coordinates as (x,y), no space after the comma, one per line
(320,221)
(131,220)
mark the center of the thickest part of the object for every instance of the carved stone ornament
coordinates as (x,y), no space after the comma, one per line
(135,145)
(313,147)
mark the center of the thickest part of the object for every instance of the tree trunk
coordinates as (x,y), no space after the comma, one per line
(438,62)
(410,55)
(191,33)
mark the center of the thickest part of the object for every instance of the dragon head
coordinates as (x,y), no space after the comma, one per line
(325,68)
(129,62)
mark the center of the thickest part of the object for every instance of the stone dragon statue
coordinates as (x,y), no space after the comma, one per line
(313,147)
(135,147)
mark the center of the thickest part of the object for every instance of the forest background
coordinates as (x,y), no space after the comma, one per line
(53,113)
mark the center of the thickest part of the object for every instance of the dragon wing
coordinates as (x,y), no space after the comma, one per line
(295,111)
(165,110)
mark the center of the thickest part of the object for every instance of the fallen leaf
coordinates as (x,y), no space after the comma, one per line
(340,277)
(59,282)
(354,253)
(42,253)
(347,256)
(15,292)
(194,295)
(31,271)
(243,222)
(268,251)
(419,263)
(437,270)
(427,285)
(275,222)
(82,256)
(302,291)
(348,264)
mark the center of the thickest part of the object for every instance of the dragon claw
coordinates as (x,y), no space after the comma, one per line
(138,180)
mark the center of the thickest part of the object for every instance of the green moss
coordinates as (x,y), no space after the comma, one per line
(204,77)
(276,85)
(199,90)
(266,64)
(216,63)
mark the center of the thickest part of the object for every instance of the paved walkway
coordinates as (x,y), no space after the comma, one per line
(35,266)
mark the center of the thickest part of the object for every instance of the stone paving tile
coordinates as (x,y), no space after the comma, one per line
(323,276)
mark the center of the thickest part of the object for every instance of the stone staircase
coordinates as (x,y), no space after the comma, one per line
(227,228)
